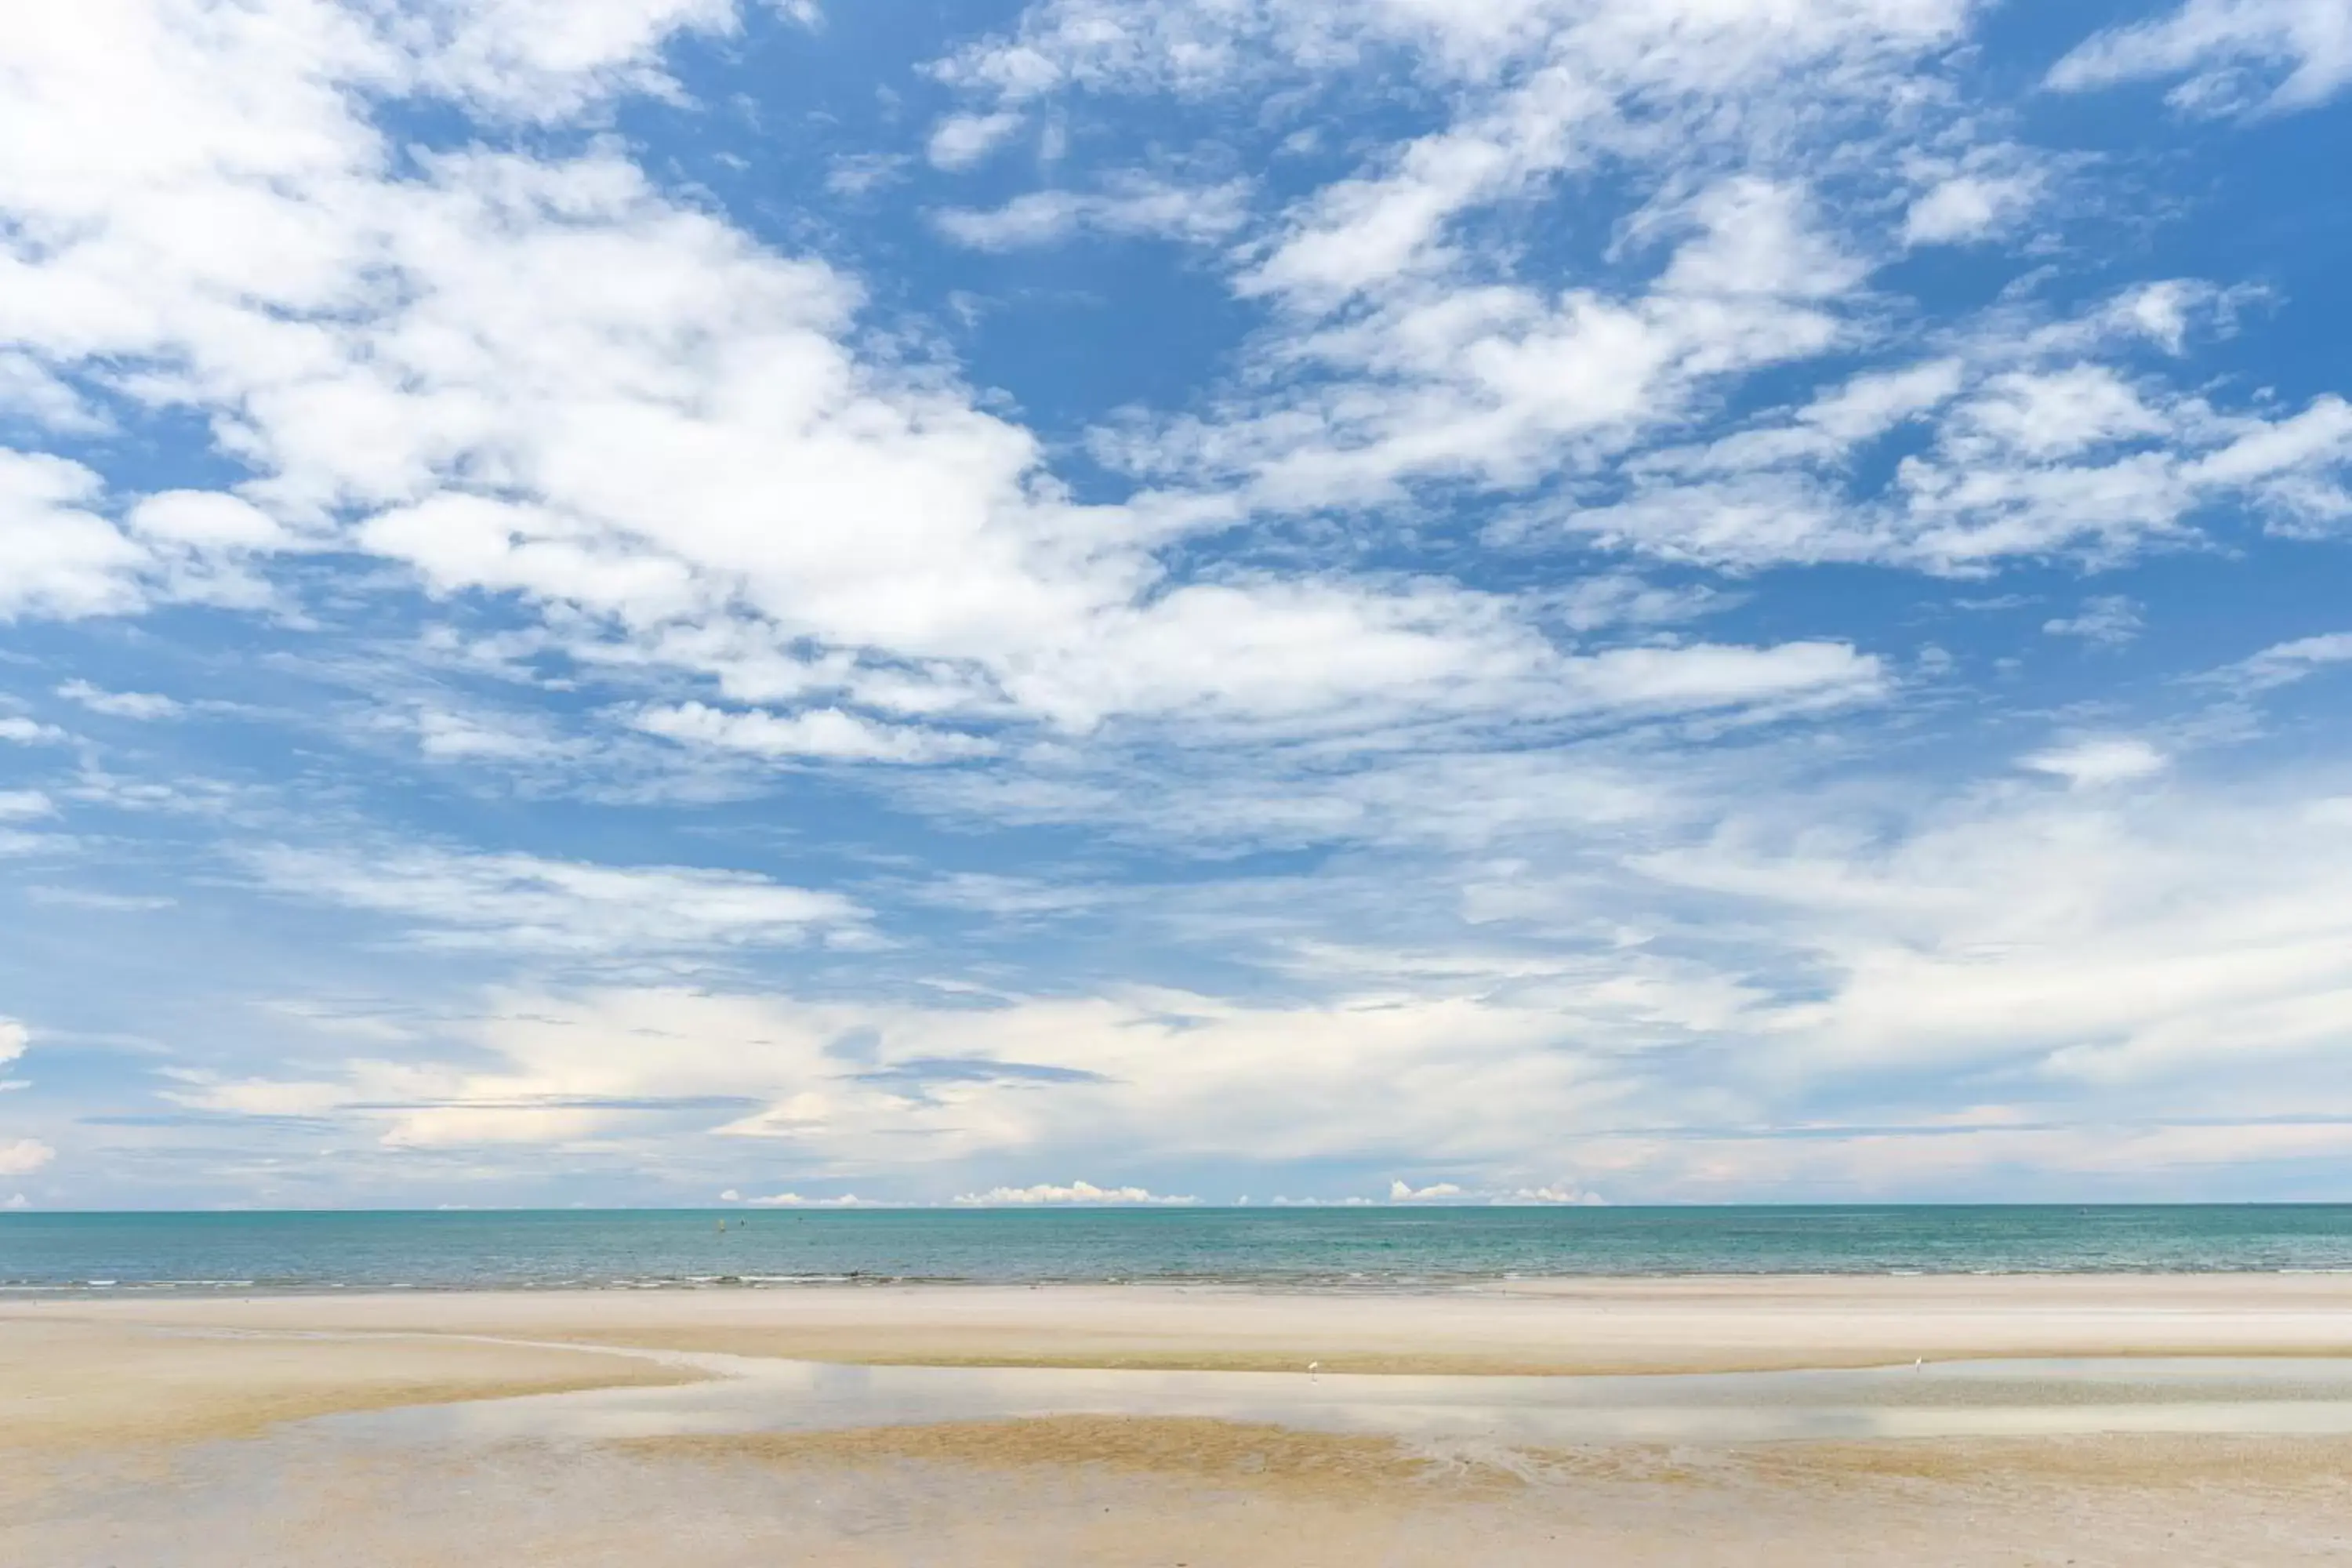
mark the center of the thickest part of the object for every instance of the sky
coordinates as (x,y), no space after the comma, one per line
(694,602)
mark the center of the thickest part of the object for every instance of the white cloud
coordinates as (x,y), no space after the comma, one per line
(826,733)
(1451,1194)
(794,1201)
(960,141)
(24,804)
(24,1156)
(1566,1194)
(2111,958)
(19,731)
(106,903)
(2229,51)
(142,705)
(953,1083)
(58,557)
(2110,620)
(2097,763)
(862,173)
(515,399)
(2152,944)
(2283,664)
(2036,450)
(18,1202)
(1130,207)
(1967,207)
(1436,1192)
(537,330)
(526,903)
(449,735)
(28,388)
(1419,357)
(14,1039)
(1502,386)
(1707,675)
(1076,1194)
(546,60)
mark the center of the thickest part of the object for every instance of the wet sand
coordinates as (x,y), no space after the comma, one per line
(1553,1327)
(969,1501)
(365,1431)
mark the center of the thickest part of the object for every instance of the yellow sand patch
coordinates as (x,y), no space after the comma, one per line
(1220,1452)
(77,1386)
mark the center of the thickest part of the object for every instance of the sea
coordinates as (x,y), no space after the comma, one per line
(1369,1249)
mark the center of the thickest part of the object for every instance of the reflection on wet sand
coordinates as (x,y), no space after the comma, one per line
(652,1457)
(1985,1399)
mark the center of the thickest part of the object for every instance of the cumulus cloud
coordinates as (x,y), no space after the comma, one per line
(24,1156)
(29,390)
(61,556)
(1560,1194)
(1550,1194)
(794,1201)
(19,731)
(58,556)
(14,1039)
(1436,1192)
(1076,1193)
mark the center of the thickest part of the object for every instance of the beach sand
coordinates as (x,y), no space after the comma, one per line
(195,1432)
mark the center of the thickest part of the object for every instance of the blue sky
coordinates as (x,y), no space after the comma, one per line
(626,601)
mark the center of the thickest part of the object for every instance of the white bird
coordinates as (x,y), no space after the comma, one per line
(1314,1367)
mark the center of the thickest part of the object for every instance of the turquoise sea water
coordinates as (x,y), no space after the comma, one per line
(1362,1248)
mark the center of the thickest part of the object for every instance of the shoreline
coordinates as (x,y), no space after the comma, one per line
(1309,1286)
(1584,1326)
(1411,1286)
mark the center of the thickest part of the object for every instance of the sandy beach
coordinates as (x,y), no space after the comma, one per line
(1975,1421)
